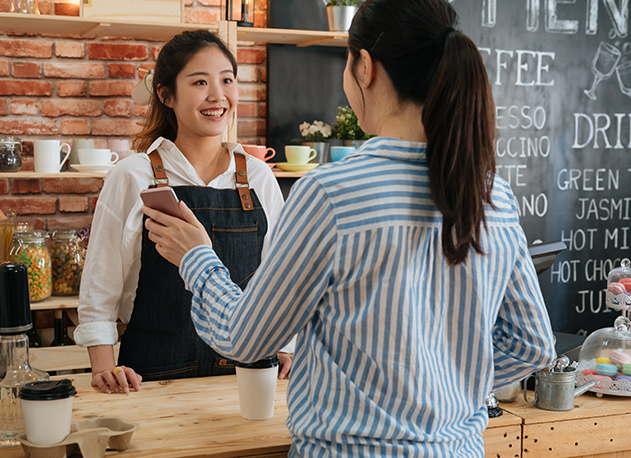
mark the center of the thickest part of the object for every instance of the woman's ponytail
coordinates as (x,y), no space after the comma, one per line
(433,65)
(458,117)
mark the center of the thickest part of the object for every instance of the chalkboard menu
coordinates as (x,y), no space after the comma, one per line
(560,71)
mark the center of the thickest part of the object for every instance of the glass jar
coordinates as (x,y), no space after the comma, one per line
(7,228)
(67,255)
(29,248)
(618,294)
(25,6)
(10,154)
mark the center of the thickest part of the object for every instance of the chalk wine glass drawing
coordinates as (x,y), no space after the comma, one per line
(623,72)
(603,66)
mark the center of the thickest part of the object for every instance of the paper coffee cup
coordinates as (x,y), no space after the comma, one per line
(47,408)
(256,383)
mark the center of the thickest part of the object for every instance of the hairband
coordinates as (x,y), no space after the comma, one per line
(443,35)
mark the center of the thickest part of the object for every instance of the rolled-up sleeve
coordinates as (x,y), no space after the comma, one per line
(522,335)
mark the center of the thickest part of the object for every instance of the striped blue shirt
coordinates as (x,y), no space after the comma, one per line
(396,349)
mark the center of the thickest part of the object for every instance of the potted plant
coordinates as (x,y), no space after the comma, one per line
(340,14)
(314,136)
(346,128)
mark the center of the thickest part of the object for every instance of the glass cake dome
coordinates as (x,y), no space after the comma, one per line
(605,357)
(619,287)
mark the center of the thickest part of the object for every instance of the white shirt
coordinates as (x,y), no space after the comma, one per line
(112,266)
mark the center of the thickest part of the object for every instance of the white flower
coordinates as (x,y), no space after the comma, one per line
(318,124)
(313,129)
(304,125)
(326,131)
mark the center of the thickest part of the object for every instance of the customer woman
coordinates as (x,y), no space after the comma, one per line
(194,96)
(402,268)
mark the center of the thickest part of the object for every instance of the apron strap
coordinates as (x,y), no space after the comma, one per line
(160,178)
(243,187)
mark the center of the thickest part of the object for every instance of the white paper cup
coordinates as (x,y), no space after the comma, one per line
(47,408)
(257,388)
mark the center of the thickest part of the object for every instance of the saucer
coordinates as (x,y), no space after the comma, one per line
(287,167)
(92,168)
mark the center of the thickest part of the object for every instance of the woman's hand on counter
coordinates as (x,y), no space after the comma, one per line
(286,360)
(116,380)
(173,236)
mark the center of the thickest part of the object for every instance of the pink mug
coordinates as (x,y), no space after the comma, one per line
(259,152)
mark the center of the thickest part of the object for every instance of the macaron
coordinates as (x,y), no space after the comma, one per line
(608,369)
(589,371)
(623,377)
(617,288)
(619,357)
(626,282)
(603,360)
(626,369)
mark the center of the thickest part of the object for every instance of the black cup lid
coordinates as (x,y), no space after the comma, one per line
(264,363)
(48,390)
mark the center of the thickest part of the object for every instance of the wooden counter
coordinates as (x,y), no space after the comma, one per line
(200,417)
(596,427)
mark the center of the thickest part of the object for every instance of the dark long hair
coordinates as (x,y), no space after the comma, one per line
(160,120)
(433,64)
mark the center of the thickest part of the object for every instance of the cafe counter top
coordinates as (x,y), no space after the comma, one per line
(199,417)
(188,417)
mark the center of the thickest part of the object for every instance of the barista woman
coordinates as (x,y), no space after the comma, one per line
(194,95)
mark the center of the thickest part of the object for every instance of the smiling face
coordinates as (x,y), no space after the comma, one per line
(205,96)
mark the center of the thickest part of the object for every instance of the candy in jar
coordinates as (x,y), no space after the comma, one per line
(29,248)
(67,254)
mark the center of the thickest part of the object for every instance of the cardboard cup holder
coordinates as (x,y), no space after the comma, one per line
(91,437)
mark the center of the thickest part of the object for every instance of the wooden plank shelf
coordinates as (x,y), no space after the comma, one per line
(25,175)
(66,358)
(56,303)
(80,27)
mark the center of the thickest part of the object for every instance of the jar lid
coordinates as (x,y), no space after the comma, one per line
(30,236)
(10,141)
(48,390)
(64,233)
(264,363)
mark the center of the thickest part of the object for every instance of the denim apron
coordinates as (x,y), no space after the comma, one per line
(160,341)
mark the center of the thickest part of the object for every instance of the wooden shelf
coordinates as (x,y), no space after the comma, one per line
(56,303)
(91,27)
(94,28)
(299,38)
(25,175)
(282,174)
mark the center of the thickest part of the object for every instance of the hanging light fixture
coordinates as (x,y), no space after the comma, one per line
(241,11)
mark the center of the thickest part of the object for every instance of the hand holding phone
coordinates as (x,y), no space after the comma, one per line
(162,199)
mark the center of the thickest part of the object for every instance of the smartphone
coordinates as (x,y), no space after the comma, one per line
(162,199)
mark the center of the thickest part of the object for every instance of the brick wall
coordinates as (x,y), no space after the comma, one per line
(64,87)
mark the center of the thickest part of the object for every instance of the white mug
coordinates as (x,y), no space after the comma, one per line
(48,155)
(97,157)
